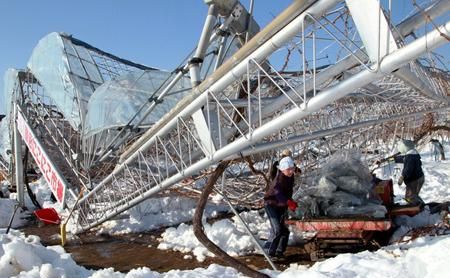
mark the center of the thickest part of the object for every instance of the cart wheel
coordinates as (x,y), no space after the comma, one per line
(312,248)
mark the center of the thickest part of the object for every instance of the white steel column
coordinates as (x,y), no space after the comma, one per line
(373,28)
(404,28)
(18,160)
(258,48)
(194,70)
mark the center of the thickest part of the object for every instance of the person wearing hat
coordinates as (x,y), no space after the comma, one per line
(438,150)
(412,174)
(277,200)
(274,169)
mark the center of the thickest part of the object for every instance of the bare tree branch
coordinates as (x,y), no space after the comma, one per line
(200,233)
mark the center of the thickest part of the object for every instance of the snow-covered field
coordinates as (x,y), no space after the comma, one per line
(427,256)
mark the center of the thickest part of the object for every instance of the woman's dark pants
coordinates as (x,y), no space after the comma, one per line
(279,234)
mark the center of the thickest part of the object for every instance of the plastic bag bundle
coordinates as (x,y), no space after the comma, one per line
(349,172)
(325,188)
(343,199)
(370,209)
(343,189)
(353,184)
(307,208)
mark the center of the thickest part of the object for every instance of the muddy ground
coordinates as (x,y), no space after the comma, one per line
(125,252)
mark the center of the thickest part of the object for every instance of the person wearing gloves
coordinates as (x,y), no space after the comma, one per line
(412,174)
(277,200)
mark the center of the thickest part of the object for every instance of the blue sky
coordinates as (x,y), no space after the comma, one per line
(157,33)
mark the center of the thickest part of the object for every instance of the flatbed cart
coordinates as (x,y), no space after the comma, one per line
(336,235)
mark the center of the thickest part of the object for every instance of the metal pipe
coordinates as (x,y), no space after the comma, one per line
(197,59)
(18,160)
(391,62)
(435,9)
(258,48)
(221,52)
(404,28)
(249,20)
(258,148)
(246,227)
(16,206)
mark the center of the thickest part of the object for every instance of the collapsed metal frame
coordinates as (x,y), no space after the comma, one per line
(45,116)
(174,150)
(252,109)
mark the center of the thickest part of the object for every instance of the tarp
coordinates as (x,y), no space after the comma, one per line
(116,101)
(68,74)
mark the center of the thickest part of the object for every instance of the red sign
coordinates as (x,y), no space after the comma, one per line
(51,175)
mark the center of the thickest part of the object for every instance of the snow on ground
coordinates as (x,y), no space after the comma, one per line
(155,213)
(228,234)
(424,257)
(437,185)
(7,207)
(22,256)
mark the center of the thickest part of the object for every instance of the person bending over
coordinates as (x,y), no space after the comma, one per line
(412,174)
(277,200)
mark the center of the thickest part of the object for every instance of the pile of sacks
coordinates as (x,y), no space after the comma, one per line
(344,188)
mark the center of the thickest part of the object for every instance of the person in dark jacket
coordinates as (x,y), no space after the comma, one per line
(438,150)
(277,200)
(412,174)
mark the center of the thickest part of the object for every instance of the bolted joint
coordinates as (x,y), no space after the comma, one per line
(195,61)
(155,99)
(222,33)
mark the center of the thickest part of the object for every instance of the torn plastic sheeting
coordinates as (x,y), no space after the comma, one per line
(370,210)
(116,101)
(343,189)
(57,70)
(353,184)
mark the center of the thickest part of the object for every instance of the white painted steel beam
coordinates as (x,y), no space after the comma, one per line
(194,70)
(18,161)
(403,29)
(264,147)
(432,11)
(429,42)
(373,28)
(258,48)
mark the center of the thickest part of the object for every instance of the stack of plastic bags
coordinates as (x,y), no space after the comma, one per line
(344,188)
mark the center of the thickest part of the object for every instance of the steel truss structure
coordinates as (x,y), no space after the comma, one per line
(317,80)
